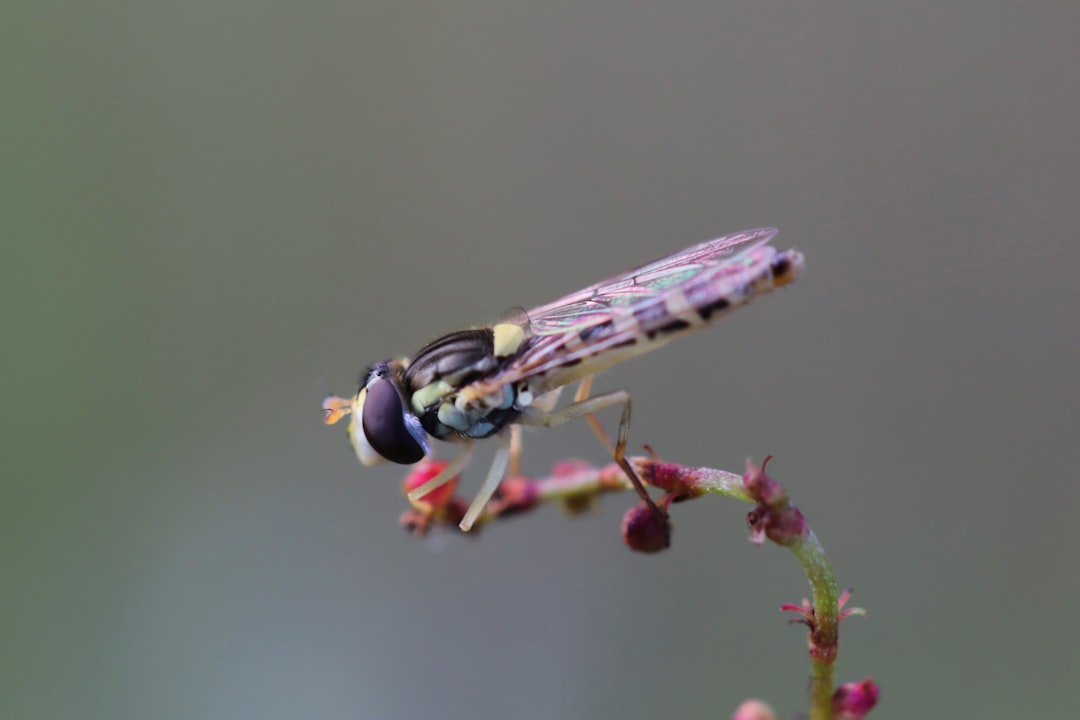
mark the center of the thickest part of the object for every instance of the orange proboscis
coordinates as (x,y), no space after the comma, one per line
(334,408)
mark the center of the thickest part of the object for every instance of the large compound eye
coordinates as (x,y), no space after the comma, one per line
(384,424)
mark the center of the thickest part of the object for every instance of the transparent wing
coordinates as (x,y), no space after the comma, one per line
(594,304)
(556,329)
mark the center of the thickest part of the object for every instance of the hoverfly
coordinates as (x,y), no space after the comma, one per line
(488,381)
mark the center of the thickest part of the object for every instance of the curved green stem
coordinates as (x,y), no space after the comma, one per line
(824,633)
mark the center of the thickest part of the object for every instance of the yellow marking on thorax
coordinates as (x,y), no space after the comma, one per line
(508,338)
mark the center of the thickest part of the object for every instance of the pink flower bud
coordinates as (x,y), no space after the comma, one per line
(643,531)
(784,526)
(852,701)
(516,495)
(774,517)
(679,481)
(754,710)
(419,475)
(762,488)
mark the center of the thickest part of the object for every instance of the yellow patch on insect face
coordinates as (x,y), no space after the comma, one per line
(364,452)
(508,338)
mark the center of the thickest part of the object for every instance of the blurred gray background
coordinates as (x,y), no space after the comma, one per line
(218,212)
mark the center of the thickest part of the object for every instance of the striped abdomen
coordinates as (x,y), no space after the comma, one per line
(651,322)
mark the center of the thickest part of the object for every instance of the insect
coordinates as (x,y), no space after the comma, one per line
(489,381)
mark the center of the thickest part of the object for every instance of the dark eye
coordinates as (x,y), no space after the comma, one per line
(384,424)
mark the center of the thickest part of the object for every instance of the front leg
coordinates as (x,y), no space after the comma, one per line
(586,408)
(495,476)
(452,469)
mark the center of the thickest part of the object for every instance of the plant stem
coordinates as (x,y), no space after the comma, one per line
(824,631)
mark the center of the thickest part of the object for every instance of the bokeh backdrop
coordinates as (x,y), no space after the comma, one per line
(215,213)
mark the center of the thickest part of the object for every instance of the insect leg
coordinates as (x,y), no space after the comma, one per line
(452,468)
(514,468)
(582,395)
(586,408)
(491,483)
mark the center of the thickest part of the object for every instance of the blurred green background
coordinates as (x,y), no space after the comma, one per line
(218,212)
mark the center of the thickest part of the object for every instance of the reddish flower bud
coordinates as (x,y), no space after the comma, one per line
(774,517)
(643,531)
(762,488)
(436,498)
(852,701)
(754,710)
(679,481)
(783,527)
(515,495)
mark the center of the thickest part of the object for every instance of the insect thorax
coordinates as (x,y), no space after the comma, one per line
(438,372)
